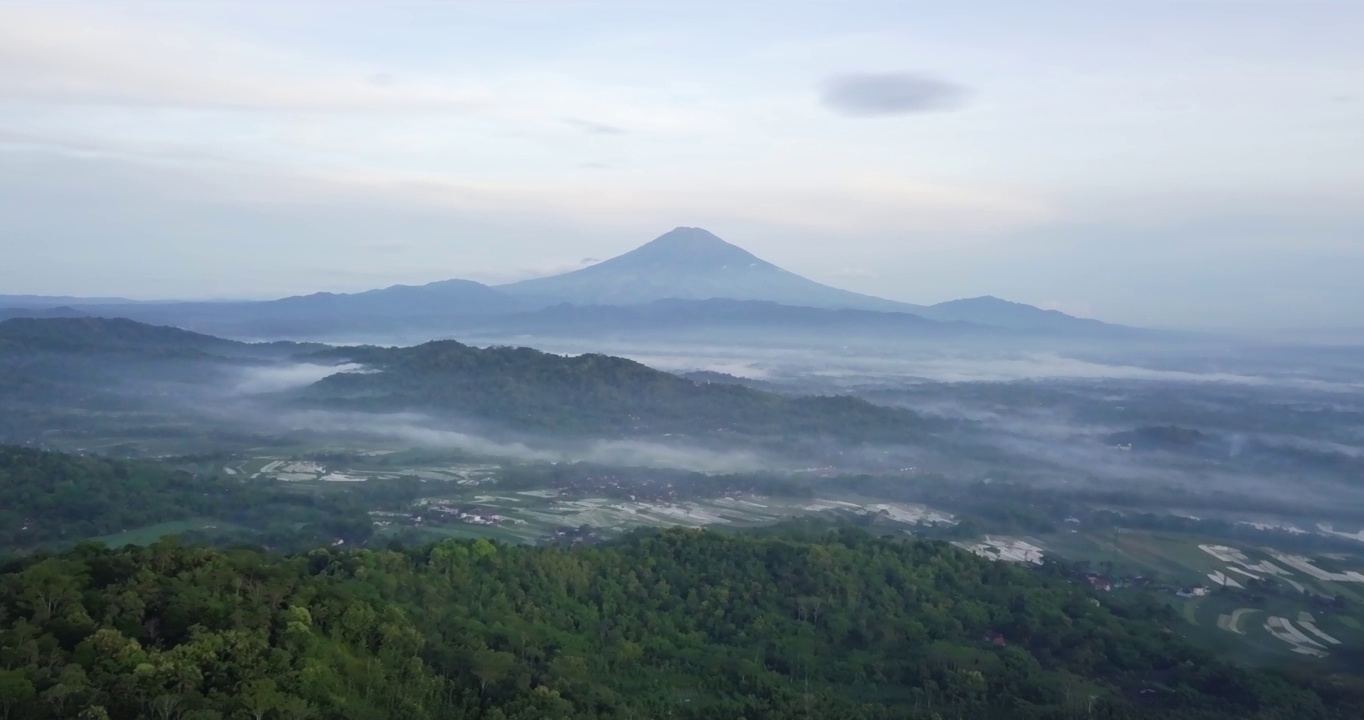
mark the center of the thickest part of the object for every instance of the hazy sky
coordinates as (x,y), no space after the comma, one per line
(1165,163)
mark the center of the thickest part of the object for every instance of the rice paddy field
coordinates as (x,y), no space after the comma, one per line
(462,498)
(532,516)
(380,466)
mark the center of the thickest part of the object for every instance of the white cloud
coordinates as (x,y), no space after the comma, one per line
(85,55)
(78,54)
(286,377)
(846,202)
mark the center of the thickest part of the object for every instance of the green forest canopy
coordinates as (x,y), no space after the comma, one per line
(681,623)
(54,499)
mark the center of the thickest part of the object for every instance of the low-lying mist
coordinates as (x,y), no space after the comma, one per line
(278,378)
(422,431)
(1029,415)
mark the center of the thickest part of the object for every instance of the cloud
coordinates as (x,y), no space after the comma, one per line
(389,247)
(866,201)
(286,377)
(879,94)
(423,431)
(595,128)
(74,58)
(74,55)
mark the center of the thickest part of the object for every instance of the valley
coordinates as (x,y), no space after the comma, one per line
(616,360)
(1207,487)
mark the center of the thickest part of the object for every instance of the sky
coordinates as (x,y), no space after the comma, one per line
(1195,163)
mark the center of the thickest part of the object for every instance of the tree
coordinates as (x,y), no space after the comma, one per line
(490,666)
(259,697)
(70,687)
(46,587)
(15,690)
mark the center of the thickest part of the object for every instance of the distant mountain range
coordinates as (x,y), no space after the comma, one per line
(61,311)
(47,301)
(673,316)
(683,280)
(96,335)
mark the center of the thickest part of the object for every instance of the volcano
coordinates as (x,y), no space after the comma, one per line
(690,264)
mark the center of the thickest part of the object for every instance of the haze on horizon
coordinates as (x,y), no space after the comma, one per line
(1178,163)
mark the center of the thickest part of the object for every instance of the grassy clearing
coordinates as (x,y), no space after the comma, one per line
(149,534)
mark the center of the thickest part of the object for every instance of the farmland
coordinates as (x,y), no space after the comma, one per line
(1255,601)
(1257,604)
(454,495)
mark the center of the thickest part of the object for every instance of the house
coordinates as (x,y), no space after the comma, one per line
(1100,583)
(1195,591)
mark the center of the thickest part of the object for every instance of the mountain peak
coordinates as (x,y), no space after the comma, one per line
(688,263)
(981,301)
(691,247)
(691,237)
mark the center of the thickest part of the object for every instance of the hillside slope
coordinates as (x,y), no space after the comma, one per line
(589,394)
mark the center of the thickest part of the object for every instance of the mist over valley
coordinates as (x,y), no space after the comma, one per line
(1003,361)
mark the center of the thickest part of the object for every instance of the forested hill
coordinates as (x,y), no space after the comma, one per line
(93,335)
(681,624)
(529,389)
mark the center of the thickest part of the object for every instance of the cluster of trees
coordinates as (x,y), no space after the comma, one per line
(531,390)
(810,623)
(58,499)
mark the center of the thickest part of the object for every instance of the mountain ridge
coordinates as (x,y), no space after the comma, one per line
(88,334)
(990,310)
(673,315)
(684,265)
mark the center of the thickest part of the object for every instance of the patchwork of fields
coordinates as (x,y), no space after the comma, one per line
(1262,604)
